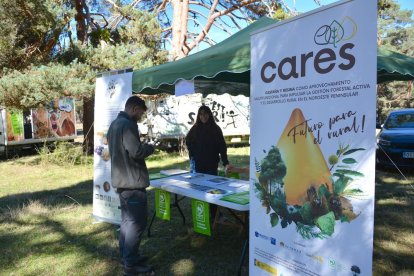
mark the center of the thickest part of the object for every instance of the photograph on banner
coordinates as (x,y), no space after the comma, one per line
(201,217)
(313,104)
(56,119)
(162,204)
(111,93)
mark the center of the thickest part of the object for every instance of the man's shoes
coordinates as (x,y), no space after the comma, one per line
(138,270)
(142,259)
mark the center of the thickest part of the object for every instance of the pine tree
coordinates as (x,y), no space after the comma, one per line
(396,33)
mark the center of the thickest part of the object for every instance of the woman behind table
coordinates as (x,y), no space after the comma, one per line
(205,143)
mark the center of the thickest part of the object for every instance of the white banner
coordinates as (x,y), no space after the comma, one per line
(313,96)
(111,93)
(174,116)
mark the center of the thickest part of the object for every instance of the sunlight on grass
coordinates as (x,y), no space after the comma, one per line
(46,226)
(397,179)
(198,241)
(394,201)
(396,247)
(183,267)
(24,178)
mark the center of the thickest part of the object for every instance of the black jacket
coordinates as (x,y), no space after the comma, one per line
(206,145)
(128,168)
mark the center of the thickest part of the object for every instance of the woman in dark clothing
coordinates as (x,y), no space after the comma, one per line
(205,143)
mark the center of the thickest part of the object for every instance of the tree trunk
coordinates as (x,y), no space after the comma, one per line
(88,119)
(88,103)
(80,22)
(179,28)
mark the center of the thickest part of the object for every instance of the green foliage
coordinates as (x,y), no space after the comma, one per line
(308,232)
(323,191)
(30,29)
(63,154)
(36,69)
(326,223)
(340,183)
(273,167)
(274,219)
(40,85)
(278,202)
(395,27)
(349,161)
(281,14)
(349,172)
(352,151)
(395,32)
(322,206)
(100,34)
(138,45)
(306,213)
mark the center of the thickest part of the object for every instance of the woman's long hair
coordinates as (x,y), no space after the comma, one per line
(211,122)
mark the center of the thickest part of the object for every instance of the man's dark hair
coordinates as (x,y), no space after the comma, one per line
(135,101)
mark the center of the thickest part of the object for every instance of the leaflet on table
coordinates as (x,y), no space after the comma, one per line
(173,172)
(192,175)
(239,198)
(241,186)
(209,179)
(154,176)
(188,185)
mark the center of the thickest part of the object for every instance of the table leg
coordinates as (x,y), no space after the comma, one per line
(243,255)
(152,221)
(175,204)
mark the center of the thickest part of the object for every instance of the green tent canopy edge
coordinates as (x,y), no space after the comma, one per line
(229,61)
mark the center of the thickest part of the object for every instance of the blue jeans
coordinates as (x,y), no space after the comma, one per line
(134,221)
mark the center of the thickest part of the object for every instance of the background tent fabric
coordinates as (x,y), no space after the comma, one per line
(228,64)
(394,66)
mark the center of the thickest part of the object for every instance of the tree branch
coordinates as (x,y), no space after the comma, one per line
(216,24)
(212,17)
(162,6)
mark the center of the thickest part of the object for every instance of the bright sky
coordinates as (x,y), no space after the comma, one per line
(307,5)
(300,6)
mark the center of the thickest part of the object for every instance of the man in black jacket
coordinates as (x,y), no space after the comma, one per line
(130,177)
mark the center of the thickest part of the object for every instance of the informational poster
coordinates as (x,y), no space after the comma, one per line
(201,217)
(112,91)
(162,204)
(313,97)
(15,130)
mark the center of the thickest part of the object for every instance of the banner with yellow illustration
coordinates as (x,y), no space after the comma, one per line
(313,96)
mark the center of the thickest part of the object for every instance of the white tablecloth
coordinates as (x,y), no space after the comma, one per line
(204,187)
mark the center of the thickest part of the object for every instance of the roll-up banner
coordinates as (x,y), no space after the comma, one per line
(112,91)
(312,163)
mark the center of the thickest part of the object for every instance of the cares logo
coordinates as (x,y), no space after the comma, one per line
(112,88)
(322,61)
(336,32)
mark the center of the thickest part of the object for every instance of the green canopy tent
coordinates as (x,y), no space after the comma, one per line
(228,64)
(393,66)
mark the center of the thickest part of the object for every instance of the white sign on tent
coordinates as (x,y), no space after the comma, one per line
(313,96)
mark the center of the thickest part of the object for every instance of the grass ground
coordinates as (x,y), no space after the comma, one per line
(46,226)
